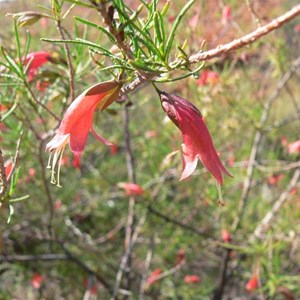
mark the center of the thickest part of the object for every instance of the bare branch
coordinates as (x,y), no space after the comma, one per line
(269,217)
(25,258)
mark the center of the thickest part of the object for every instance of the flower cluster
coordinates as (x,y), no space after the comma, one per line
(78,119)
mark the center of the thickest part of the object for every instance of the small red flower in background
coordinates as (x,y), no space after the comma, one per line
(149,134)
(294,147)
(284,140)
(190,279)
(226,14)
(293,191)
(114,149)
(226,237)
(153,276)
(57,205)
(297,28)
(92,287)
(231,161)
(171,19)
(32,172)
(64,160)
(197,142)
(37,280)
(42,85)
(208,77)
(131,189)
(9,167)
(77,123)
(180,256)
(252,284)
(193,22)
(35,60)
(274,179)
(76,162)
(3,107)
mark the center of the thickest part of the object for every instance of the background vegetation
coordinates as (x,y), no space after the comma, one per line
(68,243)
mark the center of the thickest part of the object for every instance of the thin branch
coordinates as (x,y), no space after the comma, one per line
(147,267)
(28,258)
(108,20)
(269,217)
(131,206)
(223,49)
(76,260)
(69,60)
(248,38)
(218,294)
(176,222)
(254,14)
(257,139)
(126,256)
(36,100)
(4,182)
(47,191)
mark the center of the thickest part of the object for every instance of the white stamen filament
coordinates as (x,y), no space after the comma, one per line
(55,160)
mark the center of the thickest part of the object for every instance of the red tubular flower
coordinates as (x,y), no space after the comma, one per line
(208,77)
(189,279)
(131,189)
(294,147)
(9,167)
(35,60)
(197,142)
(252,284)
(154,276)
(226,237)
(77,123)
(37,280)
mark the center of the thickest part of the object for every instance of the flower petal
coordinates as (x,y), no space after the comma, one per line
(189,164)
(100,138)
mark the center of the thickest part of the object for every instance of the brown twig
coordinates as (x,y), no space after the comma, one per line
(177,223)
(126,256)
(47,190)
(147,267)
(81,264)
(223,49)
(36,100)
(132,199)
(28,258)
(108,20)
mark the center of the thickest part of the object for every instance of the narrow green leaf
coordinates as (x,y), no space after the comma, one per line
(193,73)
(157,29)
(165,8)
(117,67)
(175,25)
(11,212)
(12,64)
(147,40)
(19,199)
(81,3)
(27,44)
(86,22)
(4,116)
(18,44)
